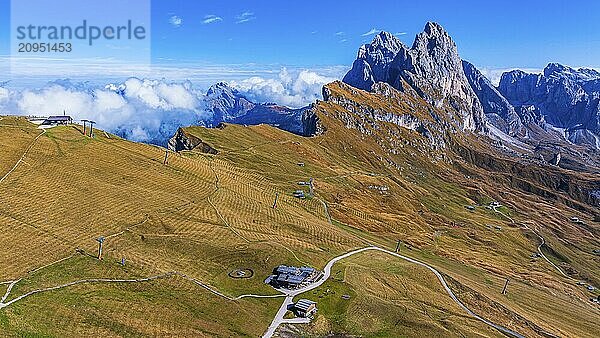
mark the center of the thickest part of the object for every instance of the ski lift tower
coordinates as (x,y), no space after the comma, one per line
(92,128)
(100,241)
(84,125)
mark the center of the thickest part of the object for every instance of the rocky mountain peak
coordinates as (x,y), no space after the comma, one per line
(556,69)
(373,61)
(432,67)
(432,35)
(226,102)
(386,41)
(221,89)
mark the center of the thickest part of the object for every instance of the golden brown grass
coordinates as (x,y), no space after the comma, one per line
(205,215)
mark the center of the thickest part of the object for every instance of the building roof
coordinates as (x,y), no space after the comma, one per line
(59,118)
(292,279)
(292,274)
(295,270)
(286,269)
(304,304)
(307,269)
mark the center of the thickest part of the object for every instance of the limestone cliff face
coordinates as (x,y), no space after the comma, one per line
(311,124)
(380,114)
(498,110)
(432,67)
(363,109)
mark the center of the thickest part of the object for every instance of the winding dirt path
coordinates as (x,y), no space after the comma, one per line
(23,156)
(4,303)
(83,281)
(539,248)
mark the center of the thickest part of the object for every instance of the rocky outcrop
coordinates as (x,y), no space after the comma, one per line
(311,124)
(567,98)
(432,67)
(498,110)
(182,141)
(407,121)
(373,113)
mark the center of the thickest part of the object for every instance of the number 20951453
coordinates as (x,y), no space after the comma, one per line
(45,47)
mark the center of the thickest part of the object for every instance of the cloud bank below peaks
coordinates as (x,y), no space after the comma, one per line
(140,110)
(294,90)
(150,111)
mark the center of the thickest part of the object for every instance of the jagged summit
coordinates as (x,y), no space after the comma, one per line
(373,61)
(432,30)
(561,104)
(220,88)
(556,68)
(386,41)
(561,71)
(432,67)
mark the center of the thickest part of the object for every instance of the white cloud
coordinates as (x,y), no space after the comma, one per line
(245,17)
(339,33)
(160,95)
(373,31)
(211,18)
(140,110)
(494,74)
(151,110)
(400,33)
(175,21)
(293,90)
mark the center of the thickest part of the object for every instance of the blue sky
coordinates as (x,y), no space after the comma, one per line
(319,34)
(490,34)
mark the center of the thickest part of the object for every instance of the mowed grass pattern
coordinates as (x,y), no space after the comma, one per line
(199,216)
(74,189)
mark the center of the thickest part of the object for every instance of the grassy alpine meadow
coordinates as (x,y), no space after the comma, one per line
(181,228)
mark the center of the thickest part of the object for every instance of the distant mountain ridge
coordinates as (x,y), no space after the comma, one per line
(221,103)
(229,105)
(568,99)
